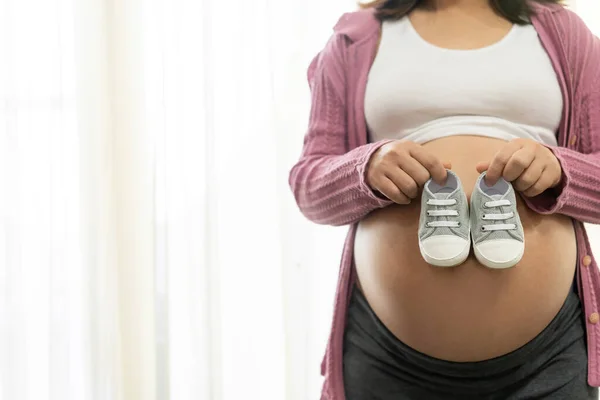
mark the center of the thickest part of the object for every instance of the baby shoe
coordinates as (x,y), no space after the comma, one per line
(498,240)
(444,238)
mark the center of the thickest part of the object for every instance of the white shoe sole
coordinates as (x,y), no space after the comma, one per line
(447,262)
(498,265)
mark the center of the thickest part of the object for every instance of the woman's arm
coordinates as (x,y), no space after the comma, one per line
(328,181)
(578,194)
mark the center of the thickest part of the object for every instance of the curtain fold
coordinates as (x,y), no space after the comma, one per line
(98,261)
(133,165)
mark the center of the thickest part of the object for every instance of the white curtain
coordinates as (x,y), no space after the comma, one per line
(149,245)
(58,331)
(245,284)
(589,11)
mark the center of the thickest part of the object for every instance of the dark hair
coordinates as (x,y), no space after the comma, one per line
(516,11)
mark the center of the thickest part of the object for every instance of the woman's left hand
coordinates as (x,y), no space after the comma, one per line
(529,165)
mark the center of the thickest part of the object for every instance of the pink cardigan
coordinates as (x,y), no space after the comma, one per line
(328,181)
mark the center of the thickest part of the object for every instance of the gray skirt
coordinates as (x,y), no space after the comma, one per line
(378,366)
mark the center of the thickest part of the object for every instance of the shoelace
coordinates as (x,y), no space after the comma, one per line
(498,217)
(442,213)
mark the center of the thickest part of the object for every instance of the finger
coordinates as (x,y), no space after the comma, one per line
(496,168)
(447,164)
(431,163)
(389,189)
(404,182)
(415,170)
(540,186)
(482,166)
(530,176)
(518,163)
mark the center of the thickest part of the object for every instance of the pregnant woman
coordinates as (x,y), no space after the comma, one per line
(404,91)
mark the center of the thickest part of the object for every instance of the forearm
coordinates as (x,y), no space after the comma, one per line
(331,189)
(578,193)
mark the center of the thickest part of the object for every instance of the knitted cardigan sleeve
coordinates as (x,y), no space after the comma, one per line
(328,181)
(578,194)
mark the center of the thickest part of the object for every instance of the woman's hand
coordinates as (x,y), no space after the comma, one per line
(529,165)
(398,169)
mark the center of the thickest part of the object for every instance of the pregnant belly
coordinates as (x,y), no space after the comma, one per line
(469,312)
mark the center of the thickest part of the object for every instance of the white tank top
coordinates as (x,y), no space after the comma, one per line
(419,92)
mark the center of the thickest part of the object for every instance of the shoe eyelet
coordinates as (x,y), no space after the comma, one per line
(483,228)
(459,223)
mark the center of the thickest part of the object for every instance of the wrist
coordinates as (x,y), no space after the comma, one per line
(557,168)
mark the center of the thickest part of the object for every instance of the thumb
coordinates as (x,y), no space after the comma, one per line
(482,166)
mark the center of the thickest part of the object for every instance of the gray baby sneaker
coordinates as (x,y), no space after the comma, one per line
(444,238)
(498,240)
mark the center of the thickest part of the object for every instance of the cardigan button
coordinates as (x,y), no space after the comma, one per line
(573,140)
(587,260)
(594,318)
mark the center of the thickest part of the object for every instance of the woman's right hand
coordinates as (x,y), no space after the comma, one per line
(398,169)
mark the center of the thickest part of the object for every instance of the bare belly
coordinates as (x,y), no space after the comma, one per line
(469,312)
